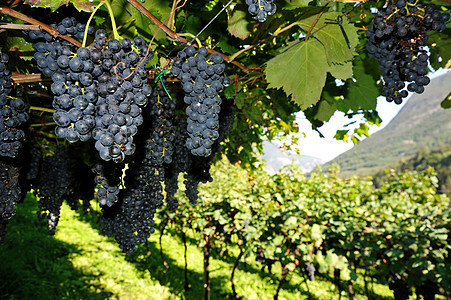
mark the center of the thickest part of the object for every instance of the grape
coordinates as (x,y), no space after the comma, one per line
(10,193)
(396,40)
(13,113)
(260,10)
(203,101)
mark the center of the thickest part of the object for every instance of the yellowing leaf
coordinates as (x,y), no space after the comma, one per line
(238,24)
(300,71)
(81,5)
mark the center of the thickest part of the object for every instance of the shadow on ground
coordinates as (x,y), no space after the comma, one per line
(34,265)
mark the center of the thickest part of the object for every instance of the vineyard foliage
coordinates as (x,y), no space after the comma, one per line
(400,230)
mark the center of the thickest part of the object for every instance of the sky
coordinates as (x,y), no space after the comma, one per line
(328,148)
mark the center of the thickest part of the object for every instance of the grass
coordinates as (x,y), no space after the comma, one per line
(80,263)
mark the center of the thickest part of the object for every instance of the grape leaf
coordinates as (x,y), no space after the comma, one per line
(293,4)
(300,71)
(363,93)
(80,5)
(440,46)
(341,71)
(238,24)
(325,110)
(332,37)
(447,102)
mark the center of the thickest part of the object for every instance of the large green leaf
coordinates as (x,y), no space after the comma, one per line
(81,5)
(239,24)
(332,37)
(363,93)
(300,71)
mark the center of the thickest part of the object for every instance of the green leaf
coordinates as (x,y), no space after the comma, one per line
(159,8)
(293,4)
(363,93)
(341,71)
(439,44)
(447,102)
(81,5)
(325,110)
(300,71)
(239,25)
(332,37)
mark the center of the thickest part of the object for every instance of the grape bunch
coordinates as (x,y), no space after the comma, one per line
(202,79)
(68,26)
(120,81)
(98,91)
(108,176)
(261,9)
(10,192)
(13,113)
(199,167)
(49,49)
(181,161)
(396,39)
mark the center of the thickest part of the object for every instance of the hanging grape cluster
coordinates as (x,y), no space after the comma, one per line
(396,39)
(99,90)
(261,9)
(10,193)
(13,112)
(202,79)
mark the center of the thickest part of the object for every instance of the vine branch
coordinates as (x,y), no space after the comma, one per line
(157,22)
(24,78)
(53,31)
(177,37)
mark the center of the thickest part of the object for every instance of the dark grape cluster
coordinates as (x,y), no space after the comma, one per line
(202,79)
(107,175)
(199,167)
(130,221)
(120,81)
(10,192)
(396,39)
(181,161)
(49,49)
(261,9)
(13,113)
(98,91)
(68,26)
(58,180)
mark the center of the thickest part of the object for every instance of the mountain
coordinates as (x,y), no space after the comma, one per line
(276,158)
(422,122)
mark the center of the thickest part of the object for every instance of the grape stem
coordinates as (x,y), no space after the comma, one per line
(53,31)
(316,20)
(113,22)
(23,78)
(85,36)
(38,108)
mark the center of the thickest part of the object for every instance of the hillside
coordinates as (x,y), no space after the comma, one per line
(420,123)
(439,158)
